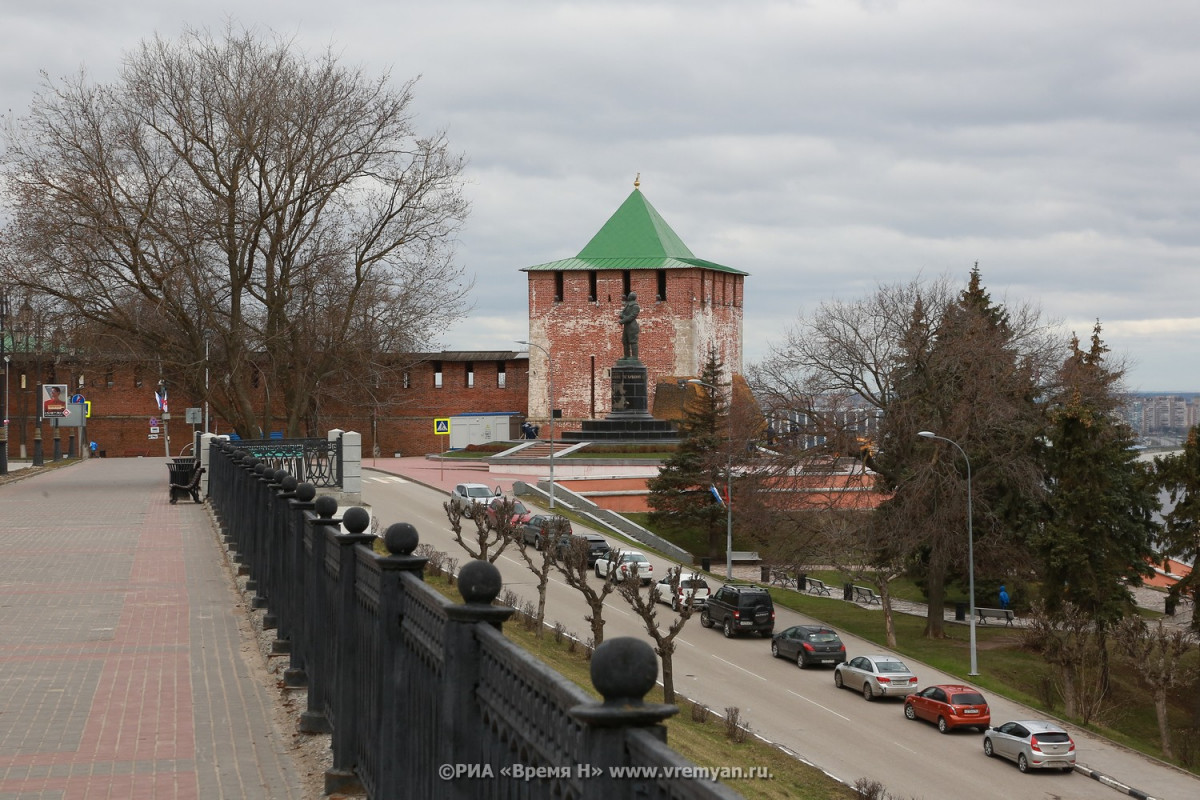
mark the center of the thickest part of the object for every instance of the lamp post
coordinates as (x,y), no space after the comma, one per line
(728,483)
(4,309)
(550,403)
(970,546)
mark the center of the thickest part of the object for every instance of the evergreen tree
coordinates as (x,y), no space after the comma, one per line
(1099,528)
(967,377)
(1179,476)
(681,493)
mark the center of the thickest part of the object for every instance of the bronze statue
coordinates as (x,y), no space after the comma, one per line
(630,327)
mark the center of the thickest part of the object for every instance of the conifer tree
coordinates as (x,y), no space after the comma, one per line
(1099,529)
(1179,476)
(681,494)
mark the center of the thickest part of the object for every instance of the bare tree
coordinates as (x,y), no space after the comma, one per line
(231,203)
(573,566)
(488,542)
(1158,658)
(1068,640)
(542,563)
(646,607)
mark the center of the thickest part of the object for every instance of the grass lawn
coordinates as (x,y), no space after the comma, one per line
(704,743)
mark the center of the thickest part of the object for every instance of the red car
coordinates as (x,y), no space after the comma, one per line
(949,707)
(520,514)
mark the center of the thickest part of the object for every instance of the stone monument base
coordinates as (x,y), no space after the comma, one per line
(629,420)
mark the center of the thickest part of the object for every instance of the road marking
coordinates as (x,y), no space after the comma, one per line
(818,705)
(743,669)
(386,479)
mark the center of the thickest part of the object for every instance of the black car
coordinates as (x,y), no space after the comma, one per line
(809,644)
(595,543)
(740,608)
(539,528)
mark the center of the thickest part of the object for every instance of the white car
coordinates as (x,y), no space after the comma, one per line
(875,676)
(692,588)
(466,496)
(623,564)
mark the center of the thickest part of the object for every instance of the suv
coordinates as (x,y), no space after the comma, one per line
(595,543)
(466,496)
(539,527)
(691,589)
(740,608)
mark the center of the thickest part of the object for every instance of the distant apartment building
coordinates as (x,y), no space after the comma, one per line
(1163,415)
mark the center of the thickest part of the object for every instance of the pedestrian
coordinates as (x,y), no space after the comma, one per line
(1003,597)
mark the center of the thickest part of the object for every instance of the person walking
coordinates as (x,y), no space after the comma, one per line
(1003,597)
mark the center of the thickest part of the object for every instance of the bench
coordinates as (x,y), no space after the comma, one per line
(785,579)
(1005,614)
(817,587)
(744,557)
(865,594)
(184,489)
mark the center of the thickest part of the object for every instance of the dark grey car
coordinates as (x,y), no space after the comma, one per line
(809,644)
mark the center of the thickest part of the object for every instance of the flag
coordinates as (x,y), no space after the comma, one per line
(716,494)
(160,397)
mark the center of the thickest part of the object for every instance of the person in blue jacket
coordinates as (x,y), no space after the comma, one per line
(1003,597)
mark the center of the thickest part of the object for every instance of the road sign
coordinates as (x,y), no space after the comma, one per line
(441,427)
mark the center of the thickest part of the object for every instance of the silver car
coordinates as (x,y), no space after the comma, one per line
(1032,744)
(875,676)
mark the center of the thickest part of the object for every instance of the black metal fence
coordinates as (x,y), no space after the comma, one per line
(315,461)
(424,697)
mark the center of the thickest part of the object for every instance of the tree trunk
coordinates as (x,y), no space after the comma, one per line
(936,586)
(541,612)
(889,621)
(668,677)
(1164,729)
(1070,706)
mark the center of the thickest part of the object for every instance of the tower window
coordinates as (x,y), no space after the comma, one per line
(662,286)
(470,375)
(591,286)
(626,283)
(558,287)
(501,375)
(437,374)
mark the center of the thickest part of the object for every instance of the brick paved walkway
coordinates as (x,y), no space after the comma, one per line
(123,673)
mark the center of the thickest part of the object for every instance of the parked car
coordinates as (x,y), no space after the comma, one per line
(1032,744)
(809,644)
(520,512)
(876,676)
(596,545)
(691,589)
(620,565)
(466,496)
(949,707)
(740,608)
(539,529)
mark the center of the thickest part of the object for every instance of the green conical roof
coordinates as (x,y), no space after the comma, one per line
(635,230)
(635,237)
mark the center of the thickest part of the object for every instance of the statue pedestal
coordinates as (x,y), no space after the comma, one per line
(630,419)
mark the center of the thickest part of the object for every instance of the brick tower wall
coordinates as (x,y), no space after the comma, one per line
(701,309)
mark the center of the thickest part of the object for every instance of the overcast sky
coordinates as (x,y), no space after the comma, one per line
(824,147)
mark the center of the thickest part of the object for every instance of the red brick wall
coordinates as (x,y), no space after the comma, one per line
(402,422)
(703,309)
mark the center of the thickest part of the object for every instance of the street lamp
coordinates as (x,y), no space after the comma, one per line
(550,402)
(970,546)
(728,485)
(4,310)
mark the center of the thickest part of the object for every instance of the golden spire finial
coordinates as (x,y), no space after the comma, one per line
(637,181)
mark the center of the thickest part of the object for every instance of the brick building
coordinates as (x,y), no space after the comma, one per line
(687,306)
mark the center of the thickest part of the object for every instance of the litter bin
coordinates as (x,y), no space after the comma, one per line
(181,470)
(960,612)
(802,582)
(848,592)
(706,564)
(764,573)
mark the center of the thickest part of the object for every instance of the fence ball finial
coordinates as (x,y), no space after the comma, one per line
(279,475)
(479,582)
(260,469)
(289,483)
(624,670)
(356,519)
(305,492)
(325,506)
(400,538)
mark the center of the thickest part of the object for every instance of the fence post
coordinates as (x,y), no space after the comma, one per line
(479,583)
(624,670)
(401,540)
(295,675)
(318,660)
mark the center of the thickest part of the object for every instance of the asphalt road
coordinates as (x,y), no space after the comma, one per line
(801,710)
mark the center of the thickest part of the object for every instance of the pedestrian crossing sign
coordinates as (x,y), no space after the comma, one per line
(441,427)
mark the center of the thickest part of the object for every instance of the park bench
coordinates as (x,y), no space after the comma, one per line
(866,595)
(817,587)
(1005,614)
(744,557)
(785,579)
(190,488)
